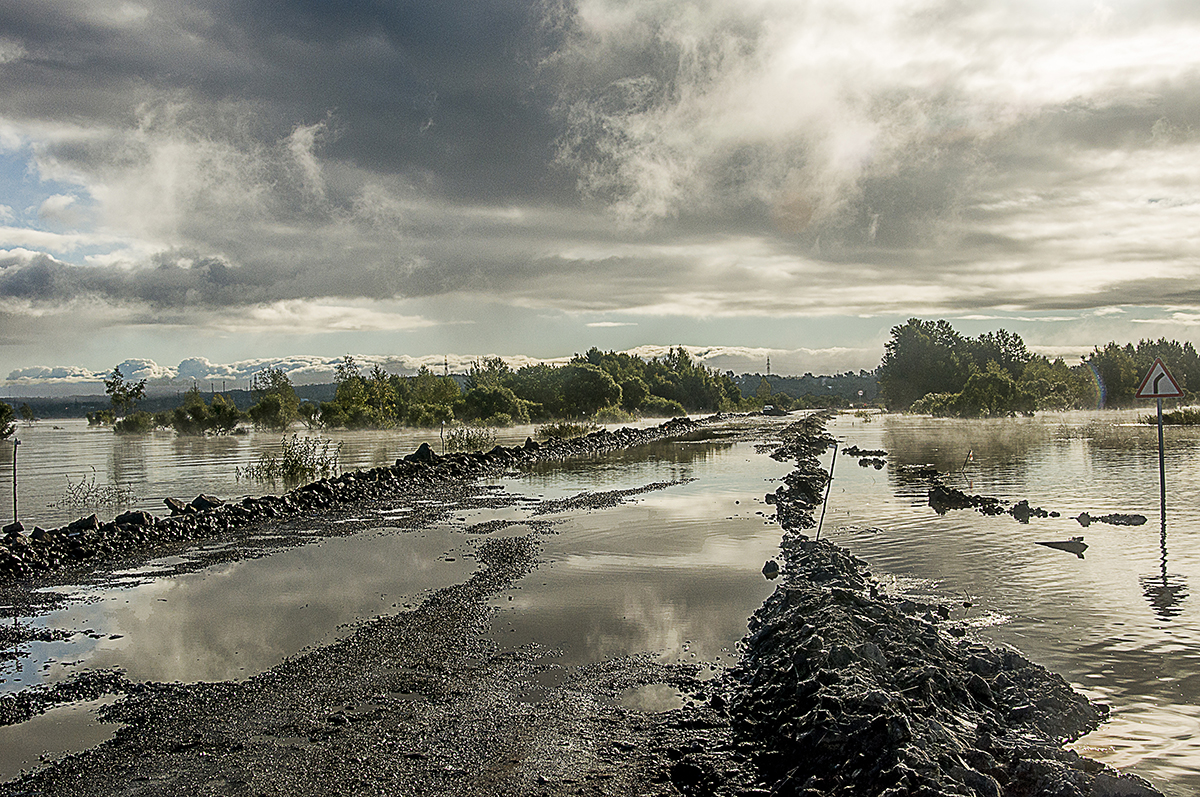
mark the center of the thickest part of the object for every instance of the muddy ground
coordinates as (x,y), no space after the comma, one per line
(840,690)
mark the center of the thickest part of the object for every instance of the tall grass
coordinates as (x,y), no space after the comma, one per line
(300,459)
(469,438)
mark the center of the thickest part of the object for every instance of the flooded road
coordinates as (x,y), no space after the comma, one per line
(670,568)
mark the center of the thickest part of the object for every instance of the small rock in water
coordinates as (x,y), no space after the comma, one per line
(771,569)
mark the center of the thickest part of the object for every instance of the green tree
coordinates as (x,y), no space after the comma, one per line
(1117,373)
(634,392)
(1006,349)
(993,393)
(1058,386)
(27,413)
(585,388)
(489,372)
(276,405)
(494,404)
(123,393)
(922,357)
(7,423)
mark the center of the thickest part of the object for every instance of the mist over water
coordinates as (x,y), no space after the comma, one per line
(1121,624)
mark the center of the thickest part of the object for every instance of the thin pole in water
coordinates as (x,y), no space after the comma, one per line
(16,443)
(1162,471)
(828,485)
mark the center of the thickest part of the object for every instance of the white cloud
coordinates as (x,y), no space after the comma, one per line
(60,208)
(316,317)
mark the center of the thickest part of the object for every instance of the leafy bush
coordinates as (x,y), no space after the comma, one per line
(139,422)
(613,415)
(101,418)
(987,394)
(659,407)
(428,416)
(197,418)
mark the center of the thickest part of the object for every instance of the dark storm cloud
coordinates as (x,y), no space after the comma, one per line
(698,159)
(442,88)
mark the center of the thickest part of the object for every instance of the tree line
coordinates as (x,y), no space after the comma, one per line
(929,367)
(596,385)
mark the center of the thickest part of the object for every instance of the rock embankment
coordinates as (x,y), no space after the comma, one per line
(89,541)
(843,690)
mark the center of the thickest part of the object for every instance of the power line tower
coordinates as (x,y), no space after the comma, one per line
(768,365)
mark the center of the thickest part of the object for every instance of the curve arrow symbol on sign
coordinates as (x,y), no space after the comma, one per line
(1159,383)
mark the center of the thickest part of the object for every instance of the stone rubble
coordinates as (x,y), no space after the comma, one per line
(844,690)
(89,541)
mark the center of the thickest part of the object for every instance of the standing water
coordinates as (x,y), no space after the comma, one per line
(1119,623)
(670,568)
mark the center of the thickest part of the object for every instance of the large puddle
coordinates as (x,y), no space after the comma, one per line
(668,565)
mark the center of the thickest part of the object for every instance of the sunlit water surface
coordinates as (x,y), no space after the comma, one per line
(1121,624)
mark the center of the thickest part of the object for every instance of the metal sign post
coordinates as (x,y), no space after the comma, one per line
(1159,384)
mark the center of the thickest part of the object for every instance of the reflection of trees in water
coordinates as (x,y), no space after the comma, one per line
(1165,591)
(127,461)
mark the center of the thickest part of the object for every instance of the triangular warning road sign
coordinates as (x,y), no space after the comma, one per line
(1159,383)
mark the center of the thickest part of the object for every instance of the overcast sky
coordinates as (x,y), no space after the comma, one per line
(223,181)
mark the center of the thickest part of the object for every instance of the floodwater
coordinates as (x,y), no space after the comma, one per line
(672,571)
(62,461)
(675,571)
(1121,624)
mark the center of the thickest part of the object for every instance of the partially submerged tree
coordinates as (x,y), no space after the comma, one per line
(7,423)
(123,393)
(195,417)
(276,405)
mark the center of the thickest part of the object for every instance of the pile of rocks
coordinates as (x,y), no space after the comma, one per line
(842,690)
(90,541)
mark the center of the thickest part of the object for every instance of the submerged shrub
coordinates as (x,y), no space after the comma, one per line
(300,459)
(469,438)
(1188,416)
(139,422)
